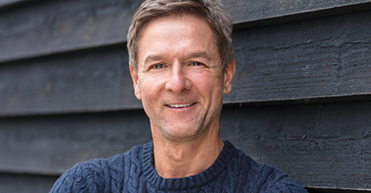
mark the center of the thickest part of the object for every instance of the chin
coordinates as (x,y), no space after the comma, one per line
(183,132)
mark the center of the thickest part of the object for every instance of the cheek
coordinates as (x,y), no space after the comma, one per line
(151,88)
(209,85)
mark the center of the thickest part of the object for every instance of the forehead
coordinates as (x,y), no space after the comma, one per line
(177,33)
(174,17)
(179,23)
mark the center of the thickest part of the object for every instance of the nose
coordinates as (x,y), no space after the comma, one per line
(178,80)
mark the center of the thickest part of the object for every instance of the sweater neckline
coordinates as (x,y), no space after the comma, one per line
(190,182)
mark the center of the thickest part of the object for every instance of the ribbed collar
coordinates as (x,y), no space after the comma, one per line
(187,183)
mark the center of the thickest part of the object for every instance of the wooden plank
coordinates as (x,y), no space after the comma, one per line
(51,144)
(251,13)
(91,80)
(319,59)
(49,27)
(321,190)
(63,25)
(4,3)
(323,146)
(16,183)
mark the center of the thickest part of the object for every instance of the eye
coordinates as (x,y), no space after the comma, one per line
(196,63)
(158,66)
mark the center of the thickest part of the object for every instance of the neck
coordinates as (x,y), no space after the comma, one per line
(183,159)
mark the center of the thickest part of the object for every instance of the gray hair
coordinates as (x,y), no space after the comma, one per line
(211,11)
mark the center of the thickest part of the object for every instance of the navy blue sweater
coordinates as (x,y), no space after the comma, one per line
(233,171)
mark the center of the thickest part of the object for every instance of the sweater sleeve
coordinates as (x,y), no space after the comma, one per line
(274,181)
(287,185)
(82,178)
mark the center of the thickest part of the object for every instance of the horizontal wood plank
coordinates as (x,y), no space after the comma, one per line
(250,13)
(322,146)
(318,59)
(49,27)
(4,3)
(326,190)
(92,80)
(56,26)
(51,144)
(16,183)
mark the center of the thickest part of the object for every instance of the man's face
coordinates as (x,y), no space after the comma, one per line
(180,79)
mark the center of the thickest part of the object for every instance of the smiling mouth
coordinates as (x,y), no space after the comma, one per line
(180,105)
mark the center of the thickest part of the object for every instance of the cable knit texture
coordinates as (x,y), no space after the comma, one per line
(233,171)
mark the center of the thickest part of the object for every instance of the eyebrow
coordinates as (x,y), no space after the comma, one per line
(201,54)
(152,58)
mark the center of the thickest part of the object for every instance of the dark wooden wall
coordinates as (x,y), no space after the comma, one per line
(301,100)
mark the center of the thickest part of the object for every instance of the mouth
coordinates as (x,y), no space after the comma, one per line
(180,105)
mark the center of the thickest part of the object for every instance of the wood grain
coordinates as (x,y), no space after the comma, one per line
(5,3)
(92,80)
(322,146)
(328,190)
(322,59)
(47,27)
(16,183)
(300,100)
(319,58)
(50,145)
(250,13)
(56,26)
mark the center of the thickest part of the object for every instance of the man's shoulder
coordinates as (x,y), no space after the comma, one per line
(93,174)
(115,162)
(263,178)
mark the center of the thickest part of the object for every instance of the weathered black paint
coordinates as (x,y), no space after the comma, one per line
(21,183)
(63,25)
(328,190)
(244,11)
(91,80)
(57,26)
(52,144)
(309,142)
(7,3)
(322,145)
(318,58)
(321,58)
(62,57)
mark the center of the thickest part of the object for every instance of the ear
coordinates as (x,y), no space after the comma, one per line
(134,77)
(228,76)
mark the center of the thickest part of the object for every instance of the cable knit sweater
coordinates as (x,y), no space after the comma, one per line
(233,171)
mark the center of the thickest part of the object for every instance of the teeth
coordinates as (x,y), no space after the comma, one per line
(180,105)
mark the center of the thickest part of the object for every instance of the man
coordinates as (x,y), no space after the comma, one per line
(181,63)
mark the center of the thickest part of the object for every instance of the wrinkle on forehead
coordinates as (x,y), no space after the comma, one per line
(189,40)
